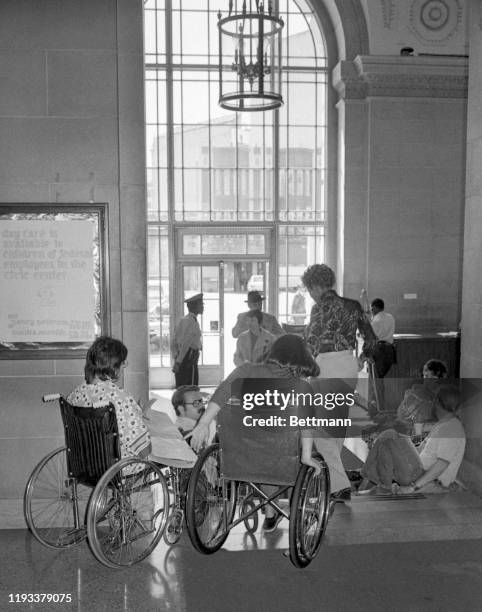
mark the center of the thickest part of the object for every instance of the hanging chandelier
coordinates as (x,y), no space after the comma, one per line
(250,57)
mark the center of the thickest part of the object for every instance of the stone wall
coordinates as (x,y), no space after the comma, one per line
(72,131)
(402,199)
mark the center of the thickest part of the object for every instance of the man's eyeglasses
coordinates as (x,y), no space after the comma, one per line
(199,403)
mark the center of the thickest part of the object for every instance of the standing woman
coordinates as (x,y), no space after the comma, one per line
(334,321)
(331,336)
(103,364)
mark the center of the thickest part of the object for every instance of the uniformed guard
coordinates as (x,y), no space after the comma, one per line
(187,343)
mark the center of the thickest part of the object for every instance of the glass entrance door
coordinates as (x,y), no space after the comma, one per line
(239,278)
(225,285)
(223,263)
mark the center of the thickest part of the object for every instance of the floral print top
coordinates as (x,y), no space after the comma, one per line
(133,433)
(333,325)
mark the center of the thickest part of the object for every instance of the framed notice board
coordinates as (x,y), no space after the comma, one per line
(53,278)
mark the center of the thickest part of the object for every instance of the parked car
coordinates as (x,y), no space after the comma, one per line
(256,283)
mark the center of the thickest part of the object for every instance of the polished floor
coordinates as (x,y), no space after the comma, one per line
(378,554)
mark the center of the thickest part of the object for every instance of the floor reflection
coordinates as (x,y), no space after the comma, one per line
(366,544)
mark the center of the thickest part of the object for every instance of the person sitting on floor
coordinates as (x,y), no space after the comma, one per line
(418,402)
(430,469)
(416,412)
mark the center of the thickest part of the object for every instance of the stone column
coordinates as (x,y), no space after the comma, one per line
(401,185)
(471,357)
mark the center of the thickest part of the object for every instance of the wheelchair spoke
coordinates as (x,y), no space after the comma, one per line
(49,503)
(309,515)
(207,512)
(126,529)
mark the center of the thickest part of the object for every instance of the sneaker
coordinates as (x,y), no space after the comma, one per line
(365,487)
(354,476)
(270,524)
(341,496)
(381,490)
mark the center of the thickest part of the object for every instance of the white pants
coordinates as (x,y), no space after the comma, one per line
(330,448)
(338,364)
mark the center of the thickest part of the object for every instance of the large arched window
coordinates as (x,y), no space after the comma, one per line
(208,167)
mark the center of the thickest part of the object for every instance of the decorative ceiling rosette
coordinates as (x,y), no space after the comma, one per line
(435,21)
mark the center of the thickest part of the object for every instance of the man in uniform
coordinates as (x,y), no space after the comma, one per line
(187,343)
(269,322)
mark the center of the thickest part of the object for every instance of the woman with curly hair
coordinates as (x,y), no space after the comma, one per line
(334,321)
(332,337)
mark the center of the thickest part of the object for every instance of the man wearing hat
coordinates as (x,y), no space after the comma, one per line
(187,343)
(269,322)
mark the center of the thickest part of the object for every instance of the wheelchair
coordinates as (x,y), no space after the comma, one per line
(177,479)
(84,490)
(247,458)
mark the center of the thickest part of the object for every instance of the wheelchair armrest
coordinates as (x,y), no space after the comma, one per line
(51,397)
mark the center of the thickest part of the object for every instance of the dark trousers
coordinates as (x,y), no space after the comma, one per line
(188,372)
(383,358)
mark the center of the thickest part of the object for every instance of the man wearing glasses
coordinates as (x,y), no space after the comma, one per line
(188,404)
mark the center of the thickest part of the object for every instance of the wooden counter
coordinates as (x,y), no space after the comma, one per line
(413,350)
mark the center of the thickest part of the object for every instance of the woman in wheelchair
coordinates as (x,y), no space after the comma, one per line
(288,359)
(142,433)
(104,362)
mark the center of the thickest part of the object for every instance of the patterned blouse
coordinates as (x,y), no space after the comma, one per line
(333,325)
(133,433)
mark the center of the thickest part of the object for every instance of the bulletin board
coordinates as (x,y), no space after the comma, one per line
(53,279)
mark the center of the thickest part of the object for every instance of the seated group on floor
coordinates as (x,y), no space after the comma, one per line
(422,446)
(395,465)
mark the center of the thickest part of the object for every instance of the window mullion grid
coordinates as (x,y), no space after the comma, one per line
(236,170)
(181,88)
(275,195)
(170,156)
(275,165)
(210,155)
(159,250)
(317,170)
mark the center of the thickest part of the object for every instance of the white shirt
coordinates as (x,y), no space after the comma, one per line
(186,336)
(445,441)
(383,324)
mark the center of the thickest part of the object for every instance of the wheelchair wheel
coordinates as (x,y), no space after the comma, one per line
(206,511)
(308,514)
(250,522)
(55,504)
(127,512)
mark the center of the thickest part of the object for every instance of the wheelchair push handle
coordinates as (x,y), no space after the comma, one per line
(51,397)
